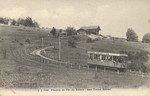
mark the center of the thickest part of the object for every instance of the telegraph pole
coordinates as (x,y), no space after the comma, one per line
(42,42)
(59,47)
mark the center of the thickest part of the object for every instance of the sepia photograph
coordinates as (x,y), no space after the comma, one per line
(74,47)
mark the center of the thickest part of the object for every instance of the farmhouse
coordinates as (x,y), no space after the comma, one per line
(87,30)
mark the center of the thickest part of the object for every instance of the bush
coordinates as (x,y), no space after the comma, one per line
(53,32)
(146,38)
(89,40)
(21,44)
(72,42)
(71,31)
(75,37)
(28,41)
(138,61)
(4,52)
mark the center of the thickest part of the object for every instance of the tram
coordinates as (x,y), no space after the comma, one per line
(107,60)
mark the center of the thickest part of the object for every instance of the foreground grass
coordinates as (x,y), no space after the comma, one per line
(32,77)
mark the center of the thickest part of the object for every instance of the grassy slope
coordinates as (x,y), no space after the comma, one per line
(21,70)
(79,54)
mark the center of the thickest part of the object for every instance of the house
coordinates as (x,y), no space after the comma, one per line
(87,30)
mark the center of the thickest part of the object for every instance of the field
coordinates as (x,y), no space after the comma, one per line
(24,71)
(79,54)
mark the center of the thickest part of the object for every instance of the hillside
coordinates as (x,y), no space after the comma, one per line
(79,54)
(26,70)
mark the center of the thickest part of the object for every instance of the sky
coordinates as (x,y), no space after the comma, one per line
(113,16)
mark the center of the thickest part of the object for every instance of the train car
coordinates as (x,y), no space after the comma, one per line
(107,60)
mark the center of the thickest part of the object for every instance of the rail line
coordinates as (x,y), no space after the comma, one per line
(37,52)
(20,56)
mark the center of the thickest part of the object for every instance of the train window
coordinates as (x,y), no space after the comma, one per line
(120,59)
(100,57)
(96,56)
(106,57)
(114,58)
(109,58)
(103,57)
(91,56)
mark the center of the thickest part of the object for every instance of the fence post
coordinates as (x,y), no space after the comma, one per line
(142,74)
(59,63)
(118,71)
(88,67)
(71,65)
(96,68)
(104,69)
(40,59)
(43,60)
(79,66)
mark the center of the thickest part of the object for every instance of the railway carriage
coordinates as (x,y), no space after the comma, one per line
(107,60)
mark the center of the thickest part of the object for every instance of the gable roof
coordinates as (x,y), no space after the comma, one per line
(90,27)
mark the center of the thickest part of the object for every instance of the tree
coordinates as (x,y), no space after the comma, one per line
(131,35)
(72,42)
(138,61)
(36,24)
(1,20)
(4,20)
(53,32)
(71,31)
(13,22)
(20,21)
(29,22)
(146,38)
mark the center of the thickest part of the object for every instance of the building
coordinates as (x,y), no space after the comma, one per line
(87,30)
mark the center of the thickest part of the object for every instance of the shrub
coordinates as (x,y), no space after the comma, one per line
(146,38)
(72,42)
(21,44)
(28,41)
(71,31)
(89,40)
(138,61)
(4,52)
(75,37)
(53,32)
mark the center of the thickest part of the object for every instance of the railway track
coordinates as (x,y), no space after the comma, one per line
(37,52)
(23,59)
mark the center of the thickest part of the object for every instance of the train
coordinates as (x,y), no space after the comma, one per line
(107,60)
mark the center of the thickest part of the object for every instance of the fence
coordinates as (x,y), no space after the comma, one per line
(83,67)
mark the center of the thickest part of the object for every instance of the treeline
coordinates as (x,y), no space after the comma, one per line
(71,34)
(132,36)
(28,21)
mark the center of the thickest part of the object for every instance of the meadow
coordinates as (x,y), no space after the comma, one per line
(23,70)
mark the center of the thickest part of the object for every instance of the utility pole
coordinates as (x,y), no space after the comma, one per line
(42,42)
(59,47)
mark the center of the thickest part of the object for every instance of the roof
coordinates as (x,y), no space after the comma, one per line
(106,53)
(90,27)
